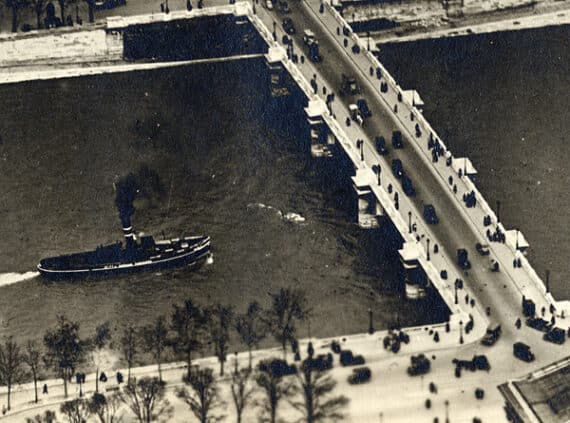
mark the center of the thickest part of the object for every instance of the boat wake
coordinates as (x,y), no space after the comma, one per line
(12,278)
(288,217)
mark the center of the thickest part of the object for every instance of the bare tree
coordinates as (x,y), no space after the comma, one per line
(15,6)
(129,348)
(32,357)
(251,328)
(47,417)
(287,306)
(203,398)
(100,339)
(75,410)
(105,408)
(39,6)
(188,321)
(274,388)
(64,349)
(242,390)
(220,318)
(10,365)
(155,340)
(145,399)
(314,387)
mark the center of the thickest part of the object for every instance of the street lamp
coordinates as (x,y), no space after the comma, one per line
(461,331)
(370,326)
(446,411)
(427,241)
(498,211)
(368,38)
(409,222)
(517,240)
(456,299)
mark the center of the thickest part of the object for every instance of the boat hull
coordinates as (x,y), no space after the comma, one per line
(192,258)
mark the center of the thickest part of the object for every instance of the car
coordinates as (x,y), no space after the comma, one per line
(538,324)
(522,352)
(380,143)
(462,259)
(408,186)
(269,4)
(360,375)
(479,393)
(355,113)
(348,359)
(363,107)
(430,215)
(314,54)
(482,249)
(397,141)
(335,346)
(309,37)
(398,168)
(492,335)
(288,26)
(348,85)
(284,7)
(420,365)
(277,367)
(481,362)
(555,335)
(322,362)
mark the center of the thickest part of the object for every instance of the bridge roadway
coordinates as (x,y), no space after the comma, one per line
(459,227)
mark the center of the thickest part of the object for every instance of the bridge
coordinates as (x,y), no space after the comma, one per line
(474,295)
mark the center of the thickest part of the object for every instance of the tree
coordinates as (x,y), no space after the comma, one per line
(219,319)
(75,410)
(274,388)
(314,387)
(91,5)
(15,6)
(32,358)
(104,408)
(188,321)
(48,417)
(203,399)
(64,349)
(251,328)
(129,347)
(145,398)
(155,340)
(287,306)
(39,6)
(10,365)
(241,389)
(100,339)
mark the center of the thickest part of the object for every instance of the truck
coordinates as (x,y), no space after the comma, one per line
(555,335)
(492,335)
(522,352)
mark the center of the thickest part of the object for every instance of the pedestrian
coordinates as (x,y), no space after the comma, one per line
(466,298)
(45,390)
(188,5)
(518,323)
(162,7)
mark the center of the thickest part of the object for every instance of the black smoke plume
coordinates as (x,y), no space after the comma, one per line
(145,184)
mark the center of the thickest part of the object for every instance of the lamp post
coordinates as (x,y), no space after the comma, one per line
(370,326)
(409,222)
(517,240)
(456,287)
(461,331)
(427,241)
(368,39)
(446,403)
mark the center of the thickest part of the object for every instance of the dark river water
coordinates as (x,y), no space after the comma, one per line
(231,161)
(502,100)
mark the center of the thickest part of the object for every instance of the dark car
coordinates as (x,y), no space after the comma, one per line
(397,168)
(360,375)
(322,362)
(555,335)
(348,359)
(380,143)
(284,7)
(314,54)
(481,362)
(288,26)
(277,367)
(522,352)
(462,259)
(420,365)
(408,186)
(397,141)
(430,215)
(538,324)
(363,108)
